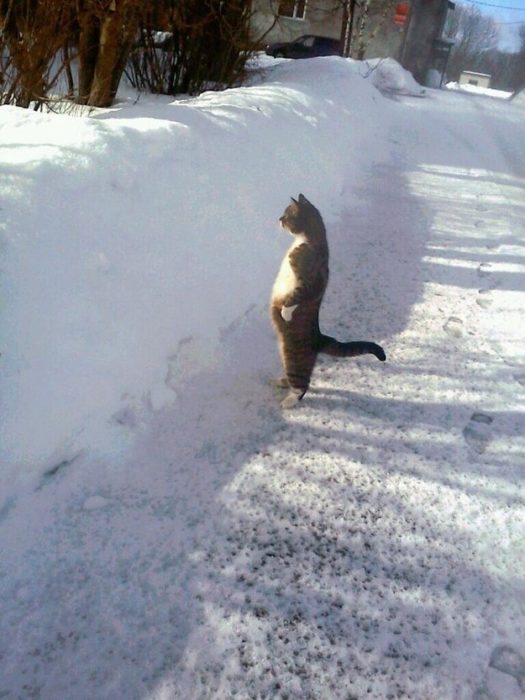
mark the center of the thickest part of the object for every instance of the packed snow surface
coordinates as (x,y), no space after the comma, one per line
(166,530)
(477,90)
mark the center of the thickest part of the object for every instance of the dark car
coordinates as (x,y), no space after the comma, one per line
(306,46)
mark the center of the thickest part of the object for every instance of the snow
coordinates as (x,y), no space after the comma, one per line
(519,97)
(389,77)
(116,225)
(478,90)
(166,530)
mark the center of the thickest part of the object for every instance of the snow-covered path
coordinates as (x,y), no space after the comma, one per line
(367,545)
(375,547)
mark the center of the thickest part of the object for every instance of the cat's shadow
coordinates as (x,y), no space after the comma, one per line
(376,248)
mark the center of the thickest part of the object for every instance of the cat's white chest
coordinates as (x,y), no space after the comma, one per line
(286,280)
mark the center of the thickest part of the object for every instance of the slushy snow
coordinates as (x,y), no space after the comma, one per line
(166,530)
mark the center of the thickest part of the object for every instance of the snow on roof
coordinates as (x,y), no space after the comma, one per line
(480,75)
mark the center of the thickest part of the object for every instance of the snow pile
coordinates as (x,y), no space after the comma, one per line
(132,239)
(388,76)
(385,74)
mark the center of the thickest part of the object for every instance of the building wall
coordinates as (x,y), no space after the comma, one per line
(323,17)
(379,37)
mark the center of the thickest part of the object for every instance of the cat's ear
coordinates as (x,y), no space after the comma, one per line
(294,200)
(302,199)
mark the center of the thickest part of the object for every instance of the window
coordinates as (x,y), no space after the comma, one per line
(293,8)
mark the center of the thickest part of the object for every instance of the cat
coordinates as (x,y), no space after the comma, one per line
(296,298)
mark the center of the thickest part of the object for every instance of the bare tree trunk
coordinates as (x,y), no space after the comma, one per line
(106,37)
(108,62)
(353,10)
(361,43)
(87,54)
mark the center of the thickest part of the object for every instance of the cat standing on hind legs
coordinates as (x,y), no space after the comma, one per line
(296,299)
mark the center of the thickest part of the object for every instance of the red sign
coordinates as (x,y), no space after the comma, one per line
(401,13)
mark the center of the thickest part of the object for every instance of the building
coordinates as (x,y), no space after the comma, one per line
(424,50)
(468,77)
(410,32)
(286,20)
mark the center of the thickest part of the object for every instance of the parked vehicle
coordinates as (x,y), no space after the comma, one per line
(306,46)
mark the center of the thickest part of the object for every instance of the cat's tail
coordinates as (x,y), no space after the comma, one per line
(331,346)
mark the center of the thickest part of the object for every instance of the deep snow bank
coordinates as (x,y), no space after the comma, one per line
(131,237)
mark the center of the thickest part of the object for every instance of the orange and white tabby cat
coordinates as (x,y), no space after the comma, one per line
(296,298)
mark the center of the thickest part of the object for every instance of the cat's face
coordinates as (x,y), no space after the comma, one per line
(293,218)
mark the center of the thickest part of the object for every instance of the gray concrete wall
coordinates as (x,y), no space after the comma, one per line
(426,24)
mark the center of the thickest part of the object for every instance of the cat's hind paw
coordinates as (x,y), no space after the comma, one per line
(292,398)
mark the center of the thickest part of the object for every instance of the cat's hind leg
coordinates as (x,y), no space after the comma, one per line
(299,361)
(281,383)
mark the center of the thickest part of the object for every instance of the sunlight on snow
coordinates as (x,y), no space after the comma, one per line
(469,201)
(461,186)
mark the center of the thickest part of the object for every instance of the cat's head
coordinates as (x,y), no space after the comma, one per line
(297,215)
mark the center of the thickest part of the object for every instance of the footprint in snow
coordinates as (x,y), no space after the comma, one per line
(454,327)
(506,659)
(484,269)
(477,432)
(484,298)
(520,378)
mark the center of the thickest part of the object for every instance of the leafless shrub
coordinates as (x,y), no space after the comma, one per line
(87,44)
(187,46)
(31,34)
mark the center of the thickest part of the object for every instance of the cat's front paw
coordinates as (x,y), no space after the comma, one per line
(287,312)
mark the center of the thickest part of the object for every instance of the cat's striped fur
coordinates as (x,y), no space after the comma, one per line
(296,298)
